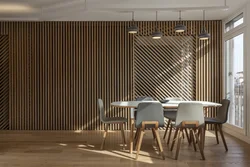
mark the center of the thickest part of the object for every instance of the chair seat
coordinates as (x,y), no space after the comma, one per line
(114,120)
(209,120)
(170,115)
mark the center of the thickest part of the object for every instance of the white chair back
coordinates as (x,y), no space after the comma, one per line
(189,111)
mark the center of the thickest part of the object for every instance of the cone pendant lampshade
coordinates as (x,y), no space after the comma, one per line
(179,26)
(204,35)
(157,34)
(133,29)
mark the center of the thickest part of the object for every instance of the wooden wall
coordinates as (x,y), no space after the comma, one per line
(166,67)
(4,82)
(58,70)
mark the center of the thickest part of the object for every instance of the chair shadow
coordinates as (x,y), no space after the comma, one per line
(149,145)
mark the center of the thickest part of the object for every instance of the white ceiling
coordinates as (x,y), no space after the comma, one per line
(98,10)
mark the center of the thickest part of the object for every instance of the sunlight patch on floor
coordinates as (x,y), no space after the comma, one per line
(143,157)
(209,134)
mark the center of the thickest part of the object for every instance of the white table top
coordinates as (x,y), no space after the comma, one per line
(170,104)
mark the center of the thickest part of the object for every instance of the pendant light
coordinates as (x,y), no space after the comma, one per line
(180,27)
(204,35)
(133,29)
(157,34)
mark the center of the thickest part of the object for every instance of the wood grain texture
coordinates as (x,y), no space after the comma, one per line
(166,67)
(58,70)
(4,82)
(179,65)
(82,149)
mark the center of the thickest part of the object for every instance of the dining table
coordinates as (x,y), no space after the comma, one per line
(166,105)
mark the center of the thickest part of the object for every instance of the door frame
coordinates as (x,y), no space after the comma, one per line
(229,128)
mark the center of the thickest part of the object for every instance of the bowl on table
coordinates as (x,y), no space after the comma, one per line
(164,101)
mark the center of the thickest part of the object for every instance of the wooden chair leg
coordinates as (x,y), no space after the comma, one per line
(199,134)
(123,134)
(104,135)
(188,137)
(137,138)
(136,134)
(175,135)
(216,133)
(193,139)
(166,129)
(202,134)
(178,143)
(203,130)
(222,136)
(199,145)
(131,144)
(139,143)
(169,134)
(159,142)
(153,132)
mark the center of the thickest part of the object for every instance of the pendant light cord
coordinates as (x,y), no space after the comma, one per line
(156,20)
(85,5)
(156,16)
(203,15)
(133,16)
(180,16)
(204,20)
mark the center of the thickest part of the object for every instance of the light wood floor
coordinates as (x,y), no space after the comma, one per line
(82,148)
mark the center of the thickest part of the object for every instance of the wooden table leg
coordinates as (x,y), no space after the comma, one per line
(131,135)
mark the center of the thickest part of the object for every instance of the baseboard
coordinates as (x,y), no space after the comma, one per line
(236,134)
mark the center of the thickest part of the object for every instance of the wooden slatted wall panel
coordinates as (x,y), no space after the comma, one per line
(4,82)
(58,70)
(209,66)
(166,67)
(19,75)
(205,59)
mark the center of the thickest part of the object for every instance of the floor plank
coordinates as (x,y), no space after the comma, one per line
(82,148)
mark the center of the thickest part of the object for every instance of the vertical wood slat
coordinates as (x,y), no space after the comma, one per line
(4,82)
(58,70)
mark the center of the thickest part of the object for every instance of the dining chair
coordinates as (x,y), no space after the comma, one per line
(189,115)
(221,118)
(133,110)
(140,98)
(149,115)
(110,120)
(170,114)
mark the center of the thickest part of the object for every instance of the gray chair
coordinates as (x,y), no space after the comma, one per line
(149,115)
(132,116)
(133,110)
(170,114)
(141,98)
(220,119)
(110,120)
(189,115)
